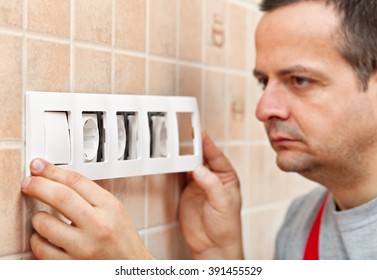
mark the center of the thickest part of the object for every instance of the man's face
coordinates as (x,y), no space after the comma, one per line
(317,117)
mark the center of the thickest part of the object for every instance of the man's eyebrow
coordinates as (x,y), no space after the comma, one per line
(296,69)
(258,73)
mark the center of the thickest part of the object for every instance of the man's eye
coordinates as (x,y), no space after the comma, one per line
(262,82)
(300,82)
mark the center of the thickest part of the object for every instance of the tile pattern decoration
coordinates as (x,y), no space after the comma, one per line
(201,48)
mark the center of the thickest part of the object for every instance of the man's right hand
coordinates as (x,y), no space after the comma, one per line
(210,208)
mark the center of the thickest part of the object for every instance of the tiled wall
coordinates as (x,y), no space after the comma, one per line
(202,48)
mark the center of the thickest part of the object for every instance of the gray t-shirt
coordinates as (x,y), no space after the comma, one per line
(347,234)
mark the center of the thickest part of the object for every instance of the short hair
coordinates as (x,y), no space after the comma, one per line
(357,42)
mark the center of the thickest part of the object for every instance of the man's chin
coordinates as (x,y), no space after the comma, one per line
(292,162)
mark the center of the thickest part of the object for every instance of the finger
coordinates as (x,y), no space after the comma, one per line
(60,197)
(218,195)
(55,230)
(44,250)
(89,190)
(213,156)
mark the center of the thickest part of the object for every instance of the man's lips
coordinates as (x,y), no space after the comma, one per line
(282,140)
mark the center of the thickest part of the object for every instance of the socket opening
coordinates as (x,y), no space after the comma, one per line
(128,135)
(186,134)
(93,136)
(158,134)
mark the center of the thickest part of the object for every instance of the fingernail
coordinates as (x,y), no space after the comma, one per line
(200,172)
(37,165)
(26,182)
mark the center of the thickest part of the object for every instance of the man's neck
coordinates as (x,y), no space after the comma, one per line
(350,188)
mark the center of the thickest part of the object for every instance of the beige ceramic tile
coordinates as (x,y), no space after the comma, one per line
(162,243)
(237,37)
(50,16)
(216,32)
(92,71)
(236,156)
(131,192)
(237,107)
(285,185)
(259,232)
(256,129)
(278,184)
(162,27)
(215,105)
(11,87)
(190,83)
(182,250)
(162,199)
(190,37)
(93,20)
(10,202)
(48,66)
(129,74)
(253,189)
(266,183)
(130,24)
(11,12)
(162,78)
(107,184)
(254,18)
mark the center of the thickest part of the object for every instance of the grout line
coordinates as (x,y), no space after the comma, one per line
(93,46)
(157,229)
(203,59)
(227,92)
(146,209)
(244,4)
(47,38)
(17,143)
(146,184)
(147,43)
(177,44)
(113,7)
(6,30)
(11,144)
(72,47)
(119,50)
(23,256)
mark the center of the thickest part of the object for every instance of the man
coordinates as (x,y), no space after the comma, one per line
(317,63)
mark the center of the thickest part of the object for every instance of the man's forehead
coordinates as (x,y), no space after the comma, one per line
(301,16)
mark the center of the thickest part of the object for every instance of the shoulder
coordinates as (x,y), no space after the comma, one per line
(291,238)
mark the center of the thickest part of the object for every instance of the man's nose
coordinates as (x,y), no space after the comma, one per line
(272,104)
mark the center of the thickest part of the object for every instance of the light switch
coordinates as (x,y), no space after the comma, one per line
(57,141)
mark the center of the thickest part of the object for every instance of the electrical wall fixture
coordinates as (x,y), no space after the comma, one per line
(110,136)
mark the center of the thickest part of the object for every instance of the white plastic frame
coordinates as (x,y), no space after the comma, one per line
(73,103)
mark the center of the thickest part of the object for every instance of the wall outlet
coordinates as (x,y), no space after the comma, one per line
(108,136)
(90,137)
(158,134)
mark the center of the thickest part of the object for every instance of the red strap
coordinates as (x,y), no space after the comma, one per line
(312,244)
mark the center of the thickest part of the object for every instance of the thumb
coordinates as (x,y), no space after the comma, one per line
(218,196)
